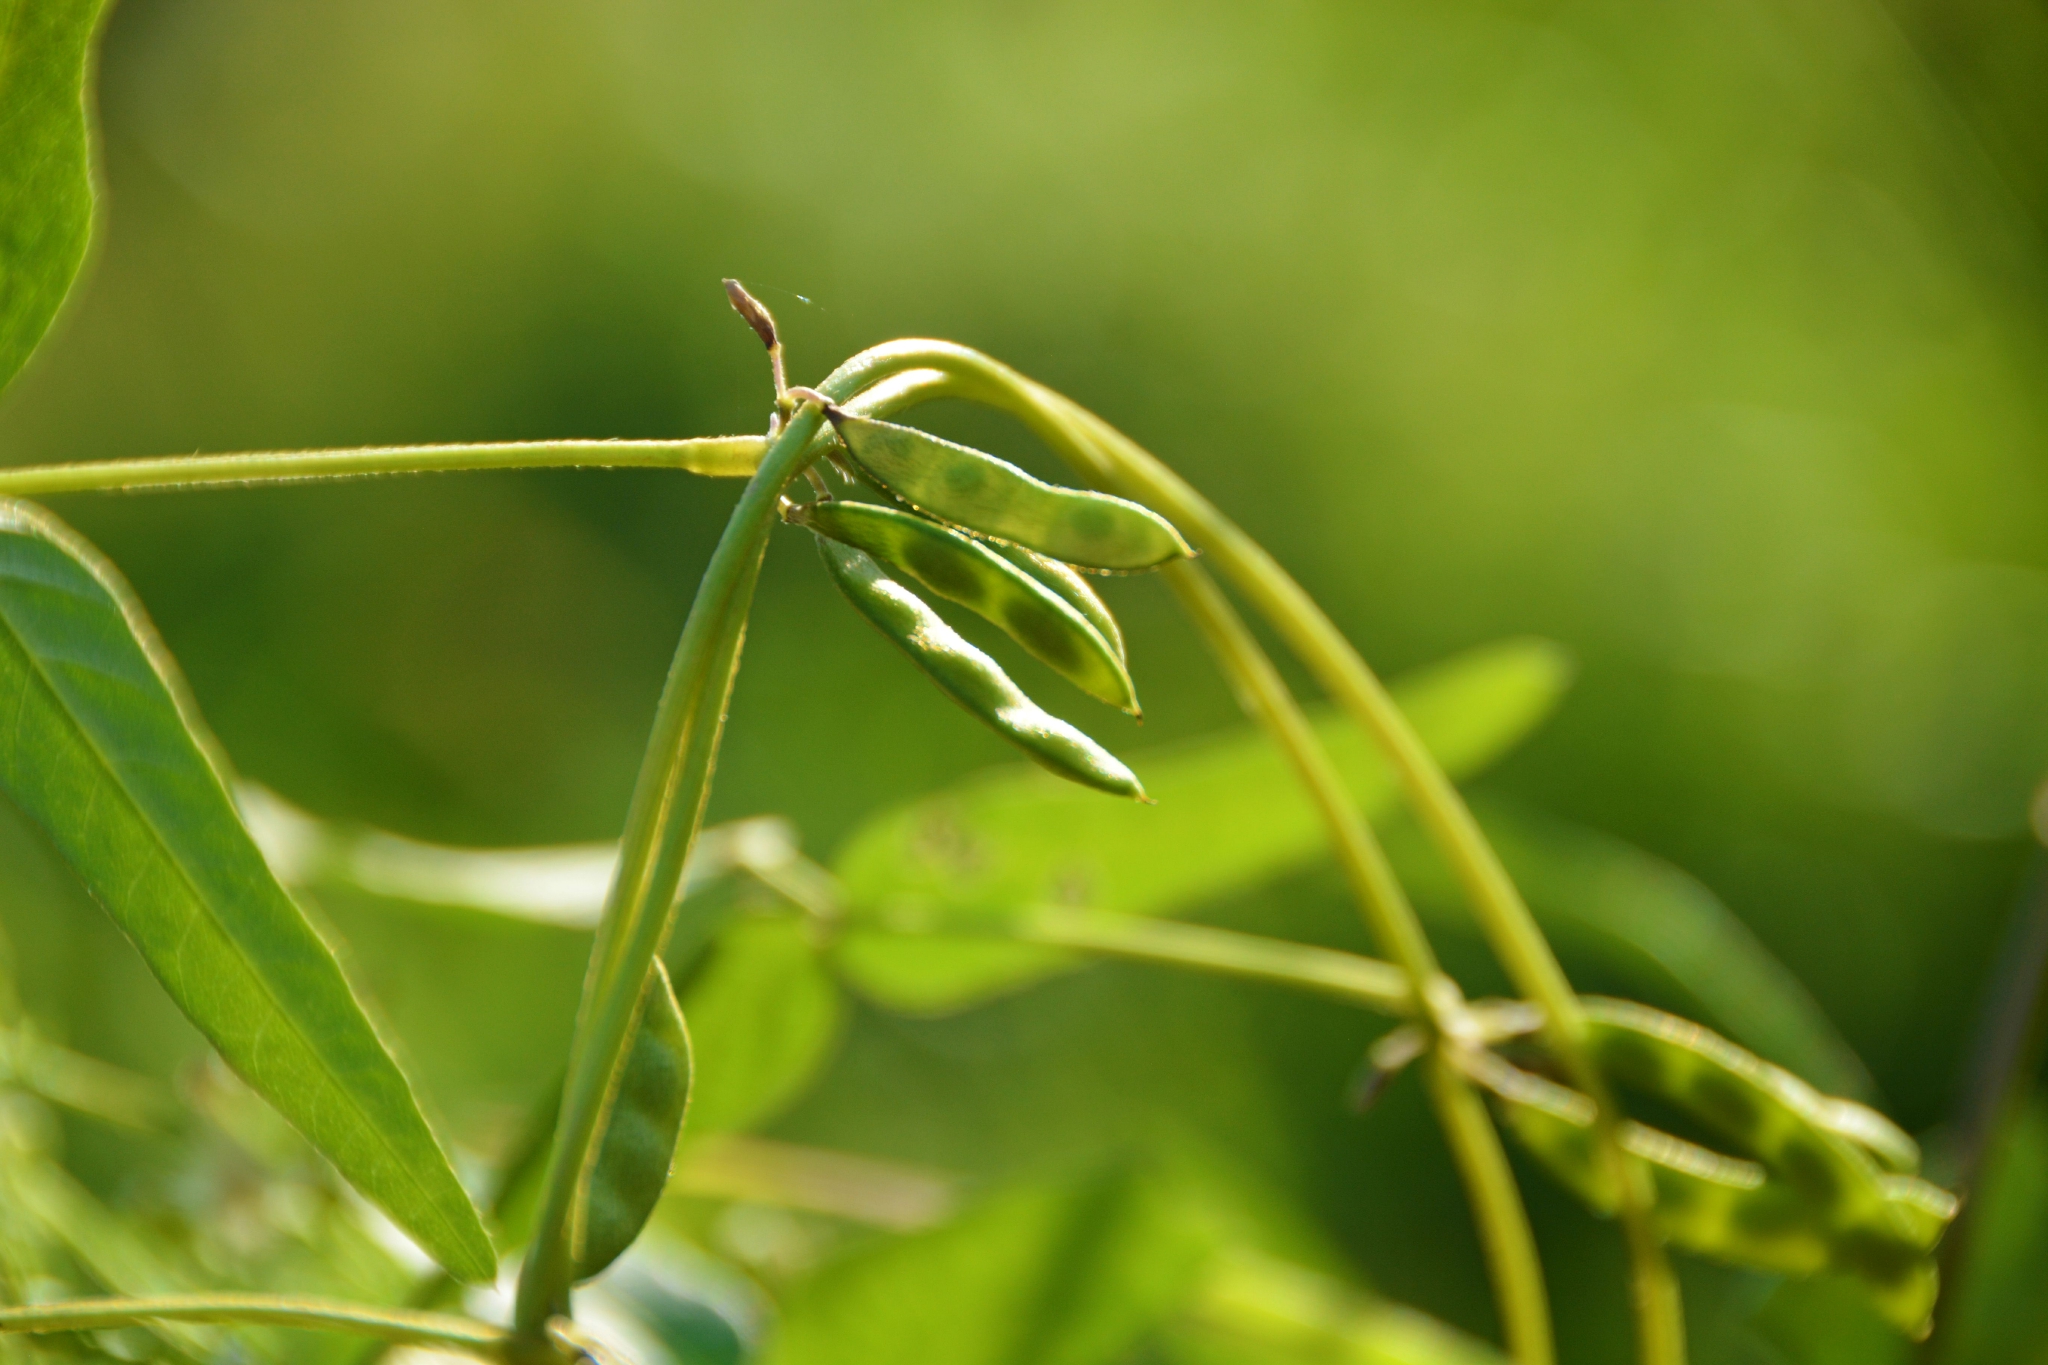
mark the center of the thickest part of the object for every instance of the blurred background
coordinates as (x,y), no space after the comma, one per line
(1707,340)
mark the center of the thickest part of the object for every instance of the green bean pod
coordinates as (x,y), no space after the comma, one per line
(1808,1198)
(643,1118)
(970,573)
(994,498)
(1062,579)
(1891,1146)
(970,677)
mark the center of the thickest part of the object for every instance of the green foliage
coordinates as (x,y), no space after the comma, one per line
(46,190)
(105,753)
(1062,1273)
(1257,1311)
(108,758)
(1229,817)
(765,1016)
(117,1256)
(2001,1314)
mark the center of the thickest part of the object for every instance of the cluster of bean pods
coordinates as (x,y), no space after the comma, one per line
(1817,1184)
(980,532)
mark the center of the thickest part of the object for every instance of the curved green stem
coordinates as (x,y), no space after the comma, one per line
(715,456)
(1112,460)
(405,1326)
(1504,1231)
(1503,916)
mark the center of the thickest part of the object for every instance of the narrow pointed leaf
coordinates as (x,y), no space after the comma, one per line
(641,1125)
(99,746)
(45,165)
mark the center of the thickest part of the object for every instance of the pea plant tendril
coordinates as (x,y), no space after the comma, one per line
(1810,1184)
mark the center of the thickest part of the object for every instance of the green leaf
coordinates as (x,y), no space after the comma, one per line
(101,748)
(46,193)
(1059,1274)
(1997,1312)
(117,1256)
(1257,1311)
(765,1016)
(1595,892)
(1230,816)
(642,1120)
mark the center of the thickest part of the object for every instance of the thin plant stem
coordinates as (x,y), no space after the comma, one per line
(1365,981)
(718,457)
(1503,915)
(1476,1145)
(1109,458)
(1504,1232)
(661,826)
(899,374)
(443,1330)
(715,456)
(662,823)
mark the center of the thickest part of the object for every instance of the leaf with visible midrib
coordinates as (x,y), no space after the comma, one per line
(45,165)
(99,747)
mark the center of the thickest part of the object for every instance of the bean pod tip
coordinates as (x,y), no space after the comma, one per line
(754,311)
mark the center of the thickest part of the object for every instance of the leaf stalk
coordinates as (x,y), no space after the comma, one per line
(714,456)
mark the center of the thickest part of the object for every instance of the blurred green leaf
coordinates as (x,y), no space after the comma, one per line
(562,885)
(697,1310)
(82,1084)
(1257,1311)
(1056,1274)
(1657,923)
(46,192)
(1230,816)
(641,1123)
(1996,1311)
(119,1255)
(861,1189)
(764,1018)
(107,755)
(1829,1320)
